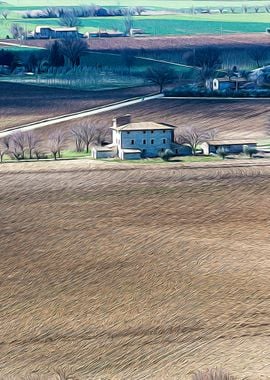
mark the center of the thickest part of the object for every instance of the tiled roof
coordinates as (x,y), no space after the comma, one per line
(231,142)
(143,126)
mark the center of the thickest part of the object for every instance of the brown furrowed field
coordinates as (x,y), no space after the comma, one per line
(229,118)
(236,40)
(20,104)
(122,272)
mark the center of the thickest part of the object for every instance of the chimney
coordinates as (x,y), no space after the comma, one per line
(121,120)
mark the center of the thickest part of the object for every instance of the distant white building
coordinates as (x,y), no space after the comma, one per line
(226,83)
(133,141)
(47,32)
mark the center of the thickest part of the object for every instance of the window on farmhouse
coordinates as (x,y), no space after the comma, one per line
(164,131)
(132,142)
(164,141)
(152,141)
(144,141)
(152,131)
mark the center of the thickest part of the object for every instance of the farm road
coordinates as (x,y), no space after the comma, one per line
(78,115)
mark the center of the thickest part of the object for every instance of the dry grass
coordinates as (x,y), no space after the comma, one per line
(124,272)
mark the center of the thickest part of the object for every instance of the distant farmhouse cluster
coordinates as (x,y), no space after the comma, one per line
(50,32)
(133,141)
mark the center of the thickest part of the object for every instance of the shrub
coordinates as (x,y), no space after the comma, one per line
(222,152)
(167,154)
(249,151)
(213,374)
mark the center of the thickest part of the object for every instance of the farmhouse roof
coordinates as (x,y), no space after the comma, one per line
(232,79)
(143,126)
(131,151)
(231,142)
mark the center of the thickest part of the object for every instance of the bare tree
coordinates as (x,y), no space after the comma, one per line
(128,23)
(3,151)
(161,76)
(192,137)
(88,135)
(73,49)
(6,142)
(17,31)
(209,56)
(258,54)
(18,145)
(56,143)
(76,133)
(245,8)
(139,10)
(5,13)
(69,19)
(32,142)
(102,133)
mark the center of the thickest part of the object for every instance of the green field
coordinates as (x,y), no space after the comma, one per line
(182,24)
(165,4)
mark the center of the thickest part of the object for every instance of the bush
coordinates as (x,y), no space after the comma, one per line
(166,155)
(222,152)
(213,374)
(249,151)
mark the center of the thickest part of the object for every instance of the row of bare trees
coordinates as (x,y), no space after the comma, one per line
(29,145)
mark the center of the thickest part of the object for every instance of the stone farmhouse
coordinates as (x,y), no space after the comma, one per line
(232,146)
(133,141)
(49,32)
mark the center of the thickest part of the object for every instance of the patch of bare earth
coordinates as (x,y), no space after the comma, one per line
(134,272)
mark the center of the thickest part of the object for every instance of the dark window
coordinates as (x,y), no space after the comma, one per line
(164,131)
(128,133)
(162,149)
(176,151)
(144,131)
(152,141)
(132,142)
(152,131)
(164,141)
(144,141)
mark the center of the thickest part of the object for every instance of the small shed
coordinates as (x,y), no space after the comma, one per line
(108,151)
(228,83)
(130,154)
(232,146)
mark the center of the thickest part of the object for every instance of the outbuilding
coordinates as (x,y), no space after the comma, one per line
(232,146)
